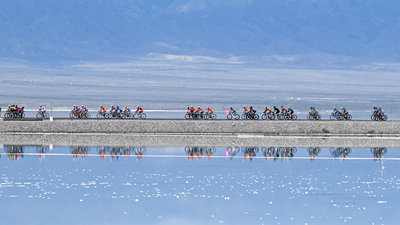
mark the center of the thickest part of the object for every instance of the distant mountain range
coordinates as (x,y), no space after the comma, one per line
(298,31)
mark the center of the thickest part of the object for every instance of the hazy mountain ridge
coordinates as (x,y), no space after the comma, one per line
(335,30)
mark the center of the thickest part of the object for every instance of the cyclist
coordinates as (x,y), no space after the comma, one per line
(139,110)
(42,109)
(12,109)
(344,111)
(201,111)
(290,111)
(246,110)
(84,110)
(127,111)
(103,110)
(313,111)
(118,110)
(209,110)
(276,110)
(252,111)
(233,111)
(335,111)
(284,110)
(267,110)
(378,111)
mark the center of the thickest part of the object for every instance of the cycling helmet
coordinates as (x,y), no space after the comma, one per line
(244,106)
(117,106)
(126,107)
(208,107)
(311,107)
(342,108)
(231,108)
(198,106)
(281,106)
(101,105)
(251,106)
(83,106)
(137,106)
(375,108)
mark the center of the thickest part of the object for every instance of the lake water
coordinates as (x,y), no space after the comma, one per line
(199,185)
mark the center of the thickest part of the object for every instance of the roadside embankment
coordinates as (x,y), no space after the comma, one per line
(271,128)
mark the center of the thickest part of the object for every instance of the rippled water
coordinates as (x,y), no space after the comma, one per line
(170,185)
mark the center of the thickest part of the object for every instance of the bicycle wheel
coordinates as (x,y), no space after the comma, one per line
(318,117)
(187,116)
(384,118)
(39,115)
(237,117)
(294,117)
(22,115)
(99,115)
(229,117)
(310,117)
(244,116)
(332,150)
(213,116)
(348,117)
(142,149)
(256,117)
(332,117)
(143,116)
(88,115)
(294,150)
(271,116)
(264,116)
(373,117)
(71,115)
(6,115)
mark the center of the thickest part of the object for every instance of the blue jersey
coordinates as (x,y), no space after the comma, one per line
(128,109)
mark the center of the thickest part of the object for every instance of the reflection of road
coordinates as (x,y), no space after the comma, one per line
(340,152)
(313,152)
(14,152)
(378,153)
(199,152)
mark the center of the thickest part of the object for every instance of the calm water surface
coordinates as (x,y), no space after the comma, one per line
(171,185)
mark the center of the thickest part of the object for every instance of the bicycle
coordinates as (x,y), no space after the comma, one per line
(209,116)
(270,116)
(314,116)
(233,115)
(138,115)
(378,117)
(42,115)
